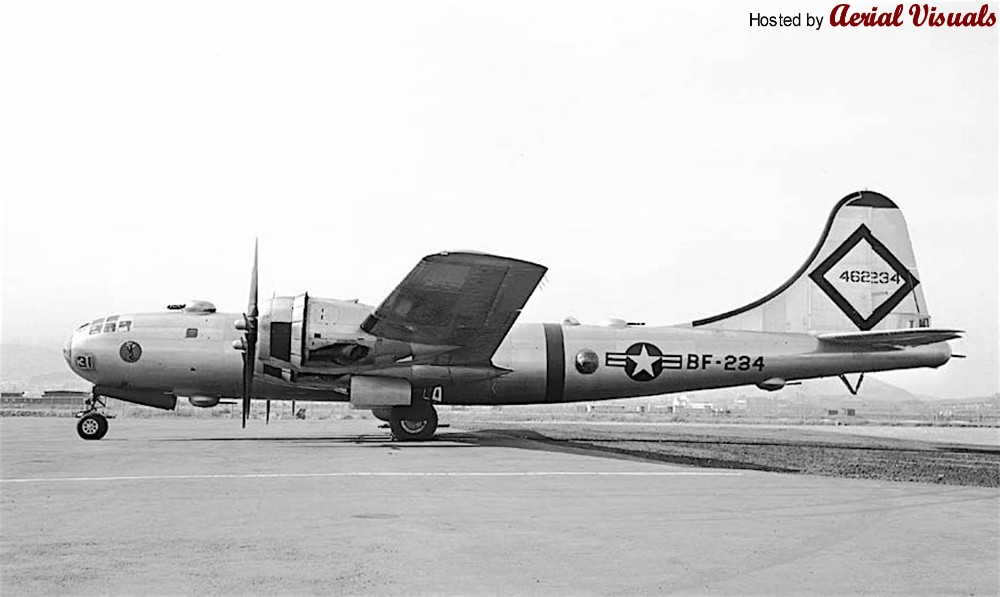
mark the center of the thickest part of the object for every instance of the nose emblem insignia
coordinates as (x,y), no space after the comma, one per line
(130,351)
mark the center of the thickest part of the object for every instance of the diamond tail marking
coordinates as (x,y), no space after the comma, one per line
(863,234)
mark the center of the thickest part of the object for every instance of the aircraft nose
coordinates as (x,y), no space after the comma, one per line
(76,355)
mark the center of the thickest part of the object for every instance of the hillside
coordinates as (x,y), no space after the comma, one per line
(33,369)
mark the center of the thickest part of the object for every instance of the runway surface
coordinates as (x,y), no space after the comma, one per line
(175,506)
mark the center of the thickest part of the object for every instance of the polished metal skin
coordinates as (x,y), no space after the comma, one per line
(446,335)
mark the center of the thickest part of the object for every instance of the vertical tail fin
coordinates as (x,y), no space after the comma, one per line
(862,275)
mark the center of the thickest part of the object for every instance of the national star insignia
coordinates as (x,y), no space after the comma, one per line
(643,361)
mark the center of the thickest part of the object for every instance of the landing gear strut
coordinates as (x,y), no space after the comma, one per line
(853,389)
(92,424)
(416,422)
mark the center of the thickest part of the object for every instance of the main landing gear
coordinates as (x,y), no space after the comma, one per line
(92,424)
(416,422)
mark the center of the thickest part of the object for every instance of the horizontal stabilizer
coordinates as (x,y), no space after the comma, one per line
(892,338)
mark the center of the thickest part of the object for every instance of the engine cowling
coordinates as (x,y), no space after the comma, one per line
(310,335)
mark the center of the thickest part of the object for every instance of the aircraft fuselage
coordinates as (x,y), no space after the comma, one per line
(192,355)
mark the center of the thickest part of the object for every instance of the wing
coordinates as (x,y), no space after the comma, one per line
(465,300)
(892,338)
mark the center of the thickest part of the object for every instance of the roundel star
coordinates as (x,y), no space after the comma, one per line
(643,361)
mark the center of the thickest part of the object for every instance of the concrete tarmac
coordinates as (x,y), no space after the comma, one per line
(199,506)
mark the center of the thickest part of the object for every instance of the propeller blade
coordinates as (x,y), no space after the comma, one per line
(250,336)
(267,416)
(252,306)
(248,360)
(246,392)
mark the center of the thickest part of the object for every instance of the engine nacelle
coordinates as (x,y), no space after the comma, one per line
(374,392)
(320,336)
(203,401)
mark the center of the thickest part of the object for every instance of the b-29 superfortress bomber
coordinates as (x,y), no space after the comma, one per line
(447,335)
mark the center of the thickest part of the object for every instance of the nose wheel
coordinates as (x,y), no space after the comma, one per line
(416,422)
(92,424)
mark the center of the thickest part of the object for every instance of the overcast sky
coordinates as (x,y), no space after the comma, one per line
(665,162)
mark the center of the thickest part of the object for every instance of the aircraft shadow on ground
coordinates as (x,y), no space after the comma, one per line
(515,438)
(527,439)
(379,441)
(682,451)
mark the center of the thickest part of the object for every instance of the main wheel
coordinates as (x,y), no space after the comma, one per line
(416,422)
(92,426)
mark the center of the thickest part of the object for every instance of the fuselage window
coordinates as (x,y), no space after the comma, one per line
(124,326)
(192,333)
(587,361)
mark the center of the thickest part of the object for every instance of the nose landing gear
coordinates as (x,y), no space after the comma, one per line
(92,424)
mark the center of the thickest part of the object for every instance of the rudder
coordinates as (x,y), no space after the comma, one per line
(862,275)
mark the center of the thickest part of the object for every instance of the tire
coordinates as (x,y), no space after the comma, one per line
(417,422)
(92,426)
